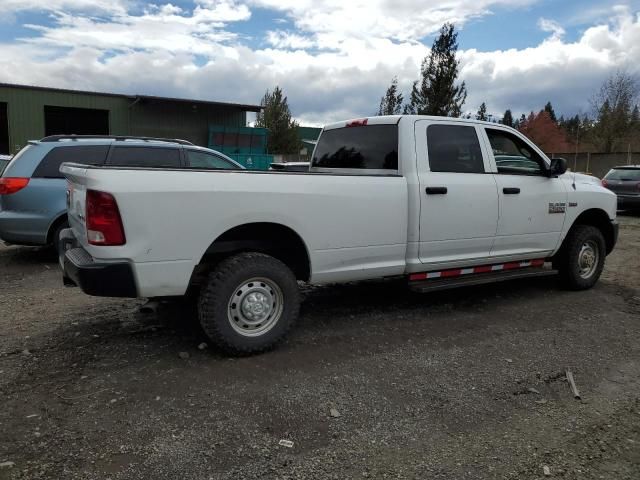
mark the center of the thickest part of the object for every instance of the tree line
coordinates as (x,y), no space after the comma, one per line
(613,125)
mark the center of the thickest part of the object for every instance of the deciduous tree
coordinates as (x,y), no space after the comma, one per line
(545,133)
(613,107)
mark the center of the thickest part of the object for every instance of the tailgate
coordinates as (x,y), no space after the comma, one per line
(76,199)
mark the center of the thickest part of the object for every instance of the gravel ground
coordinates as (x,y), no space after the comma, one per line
(375,382)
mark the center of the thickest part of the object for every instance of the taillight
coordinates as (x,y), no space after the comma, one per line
(604,182)
(9,185)
(104,224)
(358,123)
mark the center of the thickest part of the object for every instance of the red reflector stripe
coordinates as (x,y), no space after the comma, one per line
(451,273)
(483,269)
(456,272)
(511,265)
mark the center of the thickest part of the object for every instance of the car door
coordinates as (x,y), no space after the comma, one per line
(532,205)
(458,195)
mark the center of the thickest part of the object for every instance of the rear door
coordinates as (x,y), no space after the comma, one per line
(532,205)
(458,195)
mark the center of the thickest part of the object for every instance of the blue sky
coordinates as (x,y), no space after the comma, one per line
(333,58)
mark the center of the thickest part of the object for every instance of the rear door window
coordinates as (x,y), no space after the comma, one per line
(157,157)
(370,147)
(199,159)
(49,166)
(454,148)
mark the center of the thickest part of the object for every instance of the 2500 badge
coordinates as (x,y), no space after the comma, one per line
(557,207)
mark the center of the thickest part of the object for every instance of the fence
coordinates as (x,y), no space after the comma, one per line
(598,164)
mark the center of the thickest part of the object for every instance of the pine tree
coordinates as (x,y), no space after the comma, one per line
(276,117)
(507,118)
(436,92)
(552,114)
(391,103)
(482,112)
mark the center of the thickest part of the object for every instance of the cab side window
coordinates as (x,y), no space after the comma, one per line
(513,156)
(454,148)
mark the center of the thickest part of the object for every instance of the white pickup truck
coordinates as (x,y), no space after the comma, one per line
(442,201)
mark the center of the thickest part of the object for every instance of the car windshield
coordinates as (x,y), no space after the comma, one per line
(3,165)
(631,174)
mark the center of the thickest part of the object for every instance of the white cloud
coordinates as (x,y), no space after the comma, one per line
(334,59)
(400,20)
(282,39)
(551,26)
(108,6)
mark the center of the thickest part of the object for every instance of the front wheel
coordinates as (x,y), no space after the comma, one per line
(581,258)
(249,303)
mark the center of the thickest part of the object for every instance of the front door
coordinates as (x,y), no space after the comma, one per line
(532,205)
(458,195)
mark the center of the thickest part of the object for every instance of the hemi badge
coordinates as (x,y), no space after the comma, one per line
(573,204)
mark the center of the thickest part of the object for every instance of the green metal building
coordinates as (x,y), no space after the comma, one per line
(30,113)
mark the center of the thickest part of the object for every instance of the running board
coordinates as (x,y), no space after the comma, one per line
(432,285)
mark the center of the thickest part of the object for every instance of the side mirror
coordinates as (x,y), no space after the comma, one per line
(558,167)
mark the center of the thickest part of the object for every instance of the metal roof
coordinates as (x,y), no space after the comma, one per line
(242,106)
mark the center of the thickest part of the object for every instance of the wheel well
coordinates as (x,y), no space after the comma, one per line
(599,219)
(54,226)
(270,238)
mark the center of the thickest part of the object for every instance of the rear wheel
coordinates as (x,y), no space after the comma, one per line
(581,258)
(55,240)
(249,303)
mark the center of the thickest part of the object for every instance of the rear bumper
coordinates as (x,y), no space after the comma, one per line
(79,268)
(20,229)
(628,201)
(616,231)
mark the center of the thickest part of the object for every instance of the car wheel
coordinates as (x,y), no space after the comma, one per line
(249,303)
(55,243)
(581,260)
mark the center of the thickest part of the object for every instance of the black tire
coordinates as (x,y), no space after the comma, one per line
(55,240)
(573,259)
(248,276)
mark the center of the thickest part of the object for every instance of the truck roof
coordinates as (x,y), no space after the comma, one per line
(394,119)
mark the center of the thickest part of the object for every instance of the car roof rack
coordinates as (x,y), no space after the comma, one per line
(57,138)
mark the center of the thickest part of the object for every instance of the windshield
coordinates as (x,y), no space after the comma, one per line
(631,174)
(372,147)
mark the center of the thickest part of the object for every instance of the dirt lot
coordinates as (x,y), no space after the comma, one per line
(462,384)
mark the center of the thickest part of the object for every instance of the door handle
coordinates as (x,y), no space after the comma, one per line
(436,190)
(511,190)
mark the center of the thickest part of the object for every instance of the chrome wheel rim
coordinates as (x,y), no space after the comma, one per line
(588,259)
(255,307)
